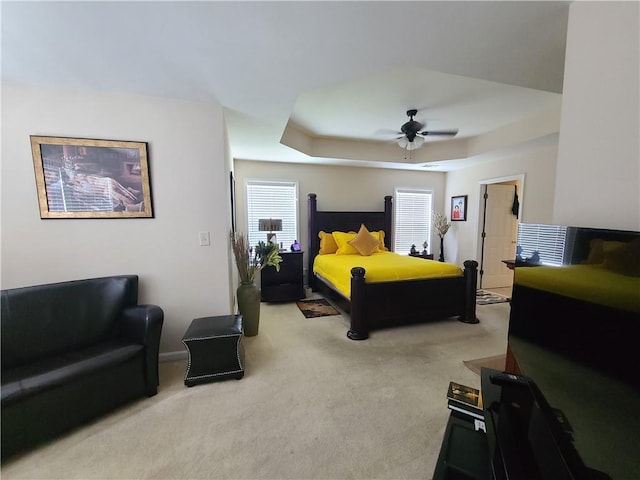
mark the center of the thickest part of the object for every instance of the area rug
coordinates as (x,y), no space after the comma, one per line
(496,363)
(485,298)
(316,308)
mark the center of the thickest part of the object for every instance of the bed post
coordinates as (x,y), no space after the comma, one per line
(471,284)
(358,331)
(387,221)
(313,249)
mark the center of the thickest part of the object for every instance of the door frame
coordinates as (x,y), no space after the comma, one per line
(481,212)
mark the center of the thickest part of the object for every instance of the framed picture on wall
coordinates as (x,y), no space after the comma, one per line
(232,187)
(459,208)
(85,178)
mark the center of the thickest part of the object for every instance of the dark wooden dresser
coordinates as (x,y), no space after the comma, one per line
(287,285)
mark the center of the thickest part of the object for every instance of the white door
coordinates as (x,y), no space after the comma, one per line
(501,230)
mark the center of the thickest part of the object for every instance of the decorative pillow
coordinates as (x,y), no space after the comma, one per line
(624,259)
(599,248)
(342,240)
(365,243)
(327,243)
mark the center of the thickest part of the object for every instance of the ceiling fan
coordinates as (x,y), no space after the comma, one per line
(413,135)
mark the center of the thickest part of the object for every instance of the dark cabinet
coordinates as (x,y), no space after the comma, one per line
(286,285)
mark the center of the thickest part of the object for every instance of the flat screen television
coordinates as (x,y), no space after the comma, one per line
(582,354)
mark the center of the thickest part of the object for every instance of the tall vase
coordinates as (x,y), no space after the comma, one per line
(441,258)
(248,295)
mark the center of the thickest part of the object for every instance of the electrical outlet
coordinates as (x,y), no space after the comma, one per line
(205,240)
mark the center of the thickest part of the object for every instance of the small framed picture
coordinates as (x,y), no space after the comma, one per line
(459,208)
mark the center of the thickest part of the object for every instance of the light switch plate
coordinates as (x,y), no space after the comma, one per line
(205,239)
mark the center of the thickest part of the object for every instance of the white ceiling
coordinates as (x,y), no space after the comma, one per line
(322,82)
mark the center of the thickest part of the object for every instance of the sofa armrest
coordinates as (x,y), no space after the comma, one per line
(143,323)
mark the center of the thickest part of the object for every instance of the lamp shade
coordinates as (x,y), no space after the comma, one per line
(270,225)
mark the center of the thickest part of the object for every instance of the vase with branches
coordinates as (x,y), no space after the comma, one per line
(441,224)
(249,261)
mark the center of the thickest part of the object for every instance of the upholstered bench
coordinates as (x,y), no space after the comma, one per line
(215,349)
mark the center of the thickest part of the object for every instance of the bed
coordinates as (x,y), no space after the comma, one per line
(587,311)
(384,304)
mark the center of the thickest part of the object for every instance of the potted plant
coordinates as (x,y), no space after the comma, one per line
(248,293)
(441,225)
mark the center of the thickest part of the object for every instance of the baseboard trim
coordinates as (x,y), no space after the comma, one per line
(172,356)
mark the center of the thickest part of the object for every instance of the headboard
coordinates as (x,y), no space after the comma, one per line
(343,221)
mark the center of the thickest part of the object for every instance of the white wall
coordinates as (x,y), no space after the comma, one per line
(338,188)
(189,181)
(598,174)
(536,197)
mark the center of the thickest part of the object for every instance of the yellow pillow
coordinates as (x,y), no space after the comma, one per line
(342,240)
(364,242)
(327,243)
(380,236)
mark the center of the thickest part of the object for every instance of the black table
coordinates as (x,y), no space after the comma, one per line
(215,349)
(426,256)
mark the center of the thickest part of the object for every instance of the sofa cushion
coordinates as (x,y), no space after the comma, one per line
(24,381)
(42,321)
(53,411)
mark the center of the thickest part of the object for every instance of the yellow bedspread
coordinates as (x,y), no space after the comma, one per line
(380,267)
(591,283)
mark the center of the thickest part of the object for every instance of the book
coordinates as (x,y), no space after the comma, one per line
(465,398)
(466,411)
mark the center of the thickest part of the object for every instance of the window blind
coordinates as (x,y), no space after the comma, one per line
(548,240)
(412,219)
(268,199)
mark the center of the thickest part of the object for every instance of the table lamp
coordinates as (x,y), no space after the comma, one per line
(270,225)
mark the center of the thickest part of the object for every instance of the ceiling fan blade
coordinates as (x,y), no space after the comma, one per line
(439,133)
(387,132)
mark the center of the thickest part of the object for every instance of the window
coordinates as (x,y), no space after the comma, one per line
(548,240)
(272,199)
(412,224)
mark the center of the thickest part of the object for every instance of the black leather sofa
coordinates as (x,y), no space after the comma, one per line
(72,351)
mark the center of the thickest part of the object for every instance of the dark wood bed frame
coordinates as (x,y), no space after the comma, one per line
(375,306)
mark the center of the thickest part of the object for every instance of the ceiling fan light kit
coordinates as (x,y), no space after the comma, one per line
(410,145)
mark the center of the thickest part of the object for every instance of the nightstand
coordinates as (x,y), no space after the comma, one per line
(286,285)
(428,256)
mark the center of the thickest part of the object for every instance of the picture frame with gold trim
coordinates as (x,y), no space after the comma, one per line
(90,178)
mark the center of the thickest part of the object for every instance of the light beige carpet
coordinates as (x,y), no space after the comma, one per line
(312,405)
